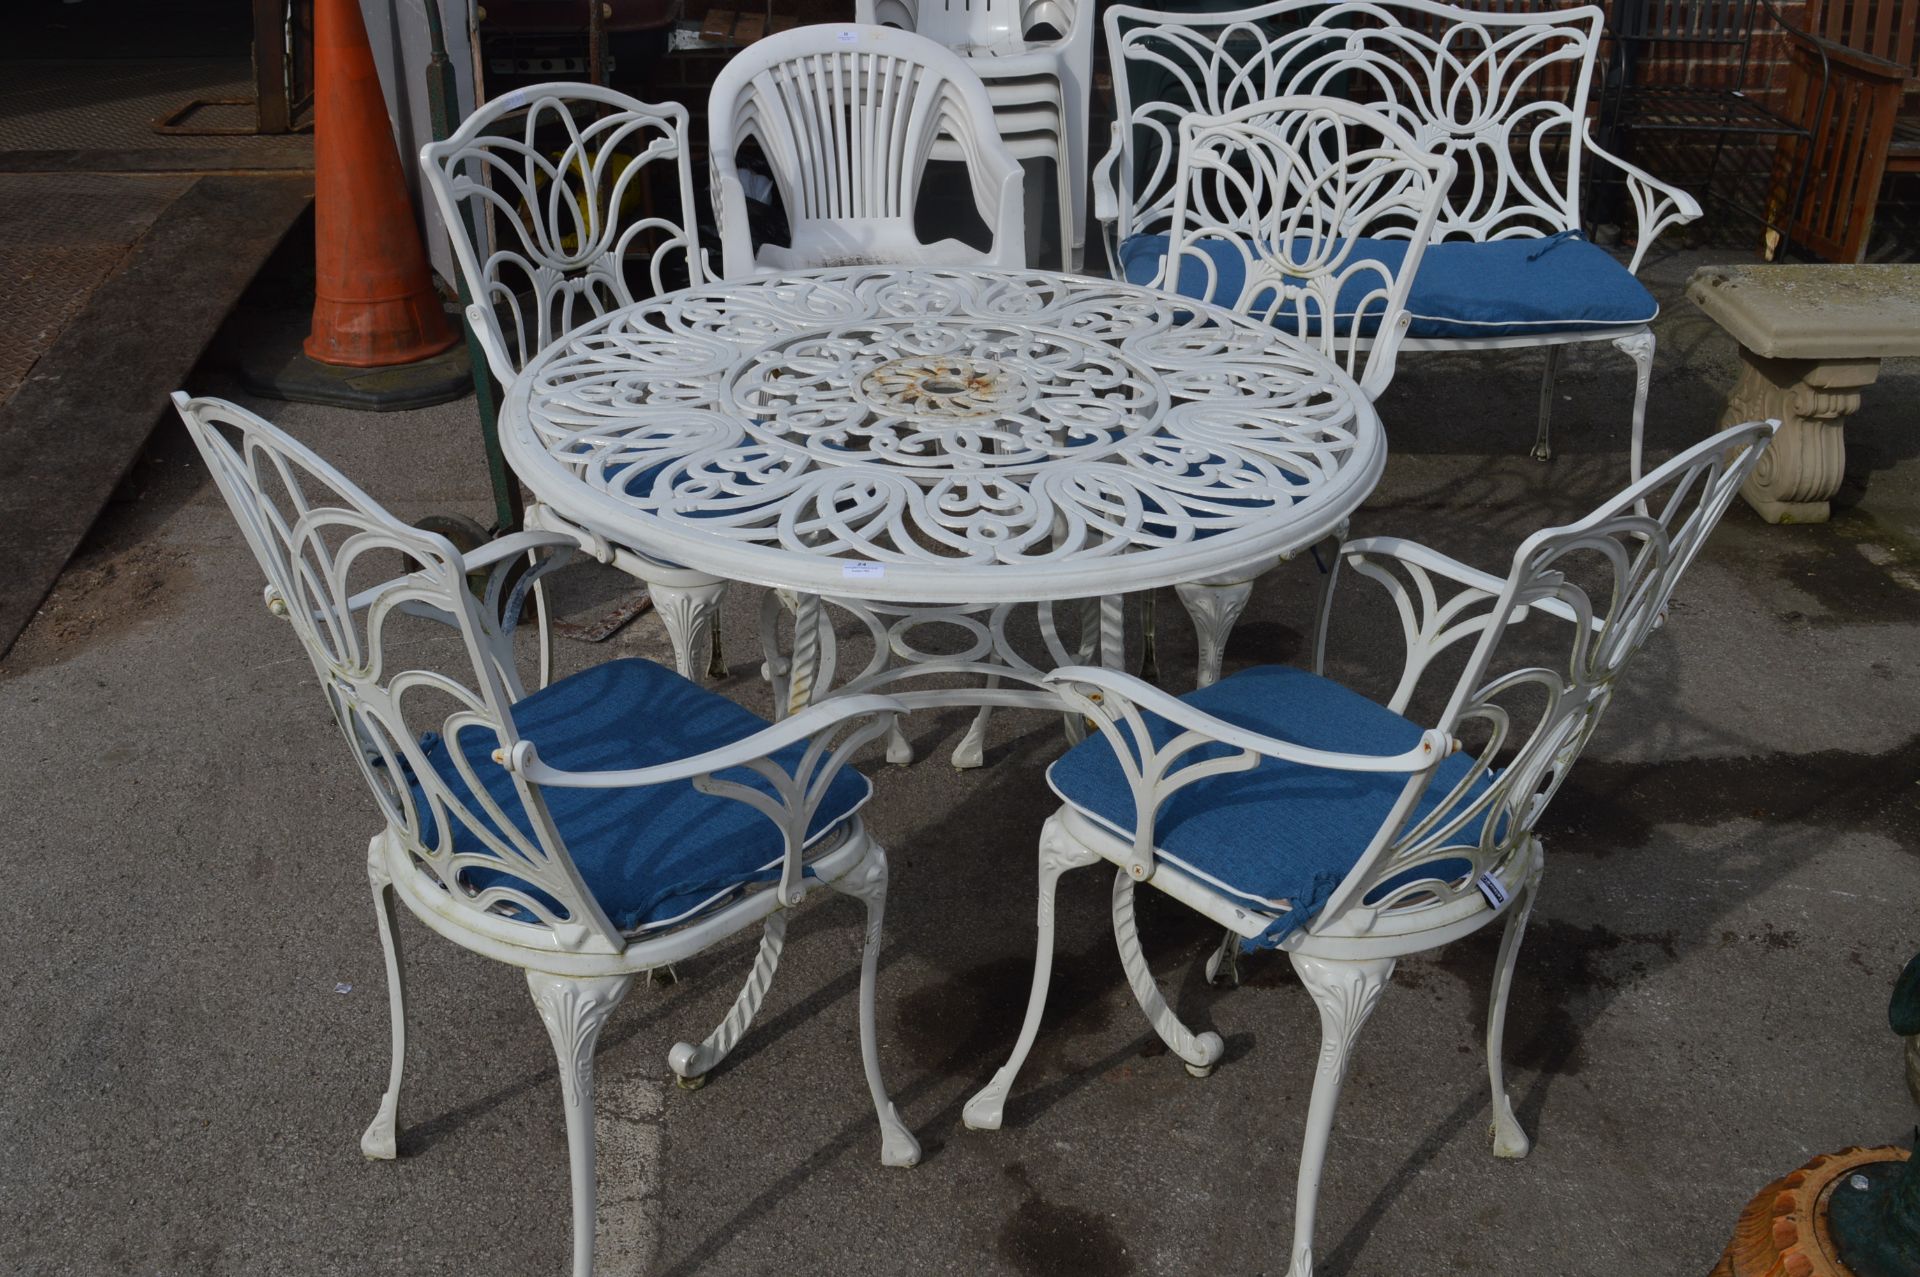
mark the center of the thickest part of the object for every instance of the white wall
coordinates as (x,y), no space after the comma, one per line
(397,30)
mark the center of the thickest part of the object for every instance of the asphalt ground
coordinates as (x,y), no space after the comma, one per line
(196,1022)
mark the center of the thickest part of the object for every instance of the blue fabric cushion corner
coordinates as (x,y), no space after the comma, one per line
(1464,289)
(648,854)
(1280,831)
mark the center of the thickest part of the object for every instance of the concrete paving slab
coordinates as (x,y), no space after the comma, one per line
(1730,891)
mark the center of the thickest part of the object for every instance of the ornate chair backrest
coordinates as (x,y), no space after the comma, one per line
(1287,189)
(847,116)
(1491,91)
(361,591)
(549,195)
(1607,578)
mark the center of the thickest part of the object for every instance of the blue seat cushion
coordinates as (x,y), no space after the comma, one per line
(1503,288)
(648,854)
(1280,831)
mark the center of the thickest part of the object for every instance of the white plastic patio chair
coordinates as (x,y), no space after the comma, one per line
(1036,58)
(1306,817)
(548,195)
(847,117)
(617,820)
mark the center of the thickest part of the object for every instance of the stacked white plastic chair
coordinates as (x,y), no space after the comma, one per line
(617,820)
(548,195)
(1306,817)
(1036,57)
(847,117)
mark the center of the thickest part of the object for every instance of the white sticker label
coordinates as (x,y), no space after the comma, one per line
(862,571)
(1490,888)
(849,37)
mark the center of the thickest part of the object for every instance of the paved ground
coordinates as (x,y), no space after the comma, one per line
(1700,1005)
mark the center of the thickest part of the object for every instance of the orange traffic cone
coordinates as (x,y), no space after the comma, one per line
(374,303)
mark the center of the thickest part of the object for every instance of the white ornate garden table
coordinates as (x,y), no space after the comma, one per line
(937,446)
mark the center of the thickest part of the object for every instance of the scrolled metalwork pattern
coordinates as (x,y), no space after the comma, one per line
(1016,423)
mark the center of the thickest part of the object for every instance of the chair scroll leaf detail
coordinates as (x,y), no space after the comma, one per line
(548,194)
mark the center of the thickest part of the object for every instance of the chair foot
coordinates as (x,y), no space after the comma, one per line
(972,749)
(1212,1042)
(1509,1141)
(899,748)
(379,1144)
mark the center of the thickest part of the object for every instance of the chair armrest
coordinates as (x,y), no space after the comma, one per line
(730,216)
(1119,686)
(1433,561)
(1114,702)
(1106,196)
(480,319)
(797,795)
(1657,204)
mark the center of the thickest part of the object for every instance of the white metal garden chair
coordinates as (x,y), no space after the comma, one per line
(847,118)
(617,820)
(1036,57)
(549,194)
(1503,94)
(1313,214)
(1306,817)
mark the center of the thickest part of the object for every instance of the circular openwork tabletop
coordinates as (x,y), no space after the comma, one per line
(943,435)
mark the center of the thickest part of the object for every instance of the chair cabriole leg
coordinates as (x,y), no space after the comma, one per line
(690,1063)
(1058,853)
(1542,442)
(867,882)
(1346,993)
(379,1141)
(574,1009)
(1509,1140)
(1638,346)
(1199,1051)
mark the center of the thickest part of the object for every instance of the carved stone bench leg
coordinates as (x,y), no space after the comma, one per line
(1812,398)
